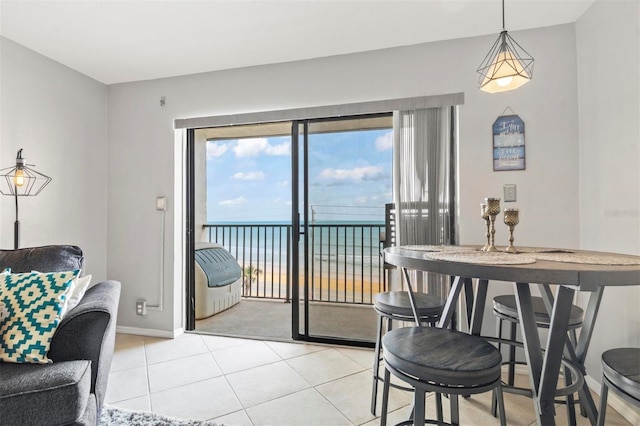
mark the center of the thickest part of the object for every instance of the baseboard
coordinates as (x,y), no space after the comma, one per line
(615,402)
(150,332)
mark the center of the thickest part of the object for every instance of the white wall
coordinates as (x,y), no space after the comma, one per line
(141,140)
(59,117)
(608,52)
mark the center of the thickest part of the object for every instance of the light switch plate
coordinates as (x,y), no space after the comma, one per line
(161,203)
(509,193)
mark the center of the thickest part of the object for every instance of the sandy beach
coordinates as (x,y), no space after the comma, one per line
(347,287)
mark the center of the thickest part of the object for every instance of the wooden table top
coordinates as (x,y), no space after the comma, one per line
(582,276)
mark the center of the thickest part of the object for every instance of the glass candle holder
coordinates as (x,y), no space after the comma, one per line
(485,215)
(511,219)
(493,209)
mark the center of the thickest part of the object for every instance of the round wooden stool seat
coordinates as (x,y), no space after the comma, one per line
(506,305)
(622,368)
(443,357)
(442,361)
(621,374)
(397,304)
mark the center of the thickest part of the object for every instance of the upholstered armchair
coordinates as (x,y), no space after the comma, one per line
(71,389)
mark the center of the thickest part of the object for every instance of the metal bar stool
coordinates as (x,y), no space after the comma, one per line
(505,309)
(442,361)
(396,305)
(620,373)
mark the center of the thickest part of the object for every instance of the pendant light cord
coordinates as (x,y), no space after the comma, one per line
(503,26)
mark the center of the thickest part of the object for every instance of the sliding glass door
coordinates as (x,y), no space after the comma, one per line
(310,264)
(300,205)
(341,181)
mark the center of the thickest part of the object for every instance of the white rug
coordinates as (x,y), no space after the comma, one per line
(114,416)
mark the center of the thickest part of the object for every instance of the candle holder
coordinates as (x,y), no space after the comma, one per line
(485,216)
(511,219)
(493,209)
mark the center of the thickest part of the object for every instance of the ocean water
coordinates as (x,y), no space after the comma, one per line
(351,244)
(345,264)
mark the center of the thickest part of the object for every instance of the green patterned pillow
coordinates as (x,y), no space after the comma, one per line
(34,302)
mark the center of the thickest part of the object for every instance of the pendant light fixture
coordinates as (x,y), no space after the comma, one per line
(507,66)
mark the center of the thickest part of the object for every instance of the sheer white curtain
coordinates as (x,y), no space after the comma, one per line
(424,161)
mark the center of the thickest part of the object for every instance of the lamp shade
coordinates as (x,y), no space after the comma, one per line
(21,180)
(507,66)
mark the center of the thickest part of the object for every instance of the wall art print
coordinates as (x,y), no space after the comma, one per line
(508,143)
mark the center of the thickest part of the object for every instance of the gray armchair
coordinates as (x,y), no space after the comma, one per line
(71,390)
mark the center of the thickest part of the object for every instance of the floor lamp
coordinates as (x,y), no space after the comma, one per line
(21,181)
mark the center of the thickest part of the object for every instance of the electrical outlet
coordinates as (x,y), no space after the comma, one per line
(141,307)
(509,193)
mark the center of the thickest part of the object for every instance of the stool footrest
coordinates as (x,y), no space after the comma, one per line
(426,422)
(395,386)
(576,373)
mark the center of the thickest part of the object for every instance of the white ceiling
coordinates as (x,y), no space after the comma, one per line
(130,40)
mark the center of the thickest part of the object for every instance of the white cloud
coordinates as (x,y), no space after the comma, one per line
(384,142)
(253,147)
(215,149)
(283,149)
(361,200)
(234,202)
(357,173)
(283,183)
(248,176)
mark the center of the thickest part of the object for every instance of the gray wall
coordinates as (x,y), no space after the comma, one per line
(608,52)
(141,140)
(59,117)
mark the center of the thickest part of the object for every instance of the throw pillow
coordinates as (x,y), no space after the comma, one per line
(78,289)
(3,309)
(34,303)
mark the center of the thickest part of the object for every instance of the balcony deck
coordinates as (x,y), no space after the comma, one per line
(270,319)
(345,271)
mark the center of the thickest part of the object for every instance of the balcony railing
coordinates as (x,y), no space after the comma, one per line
(344,263)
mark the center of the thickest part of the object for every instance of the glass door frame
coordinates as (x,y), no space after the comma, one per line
(300,229)
(296,232)
(337,110)
(189,254)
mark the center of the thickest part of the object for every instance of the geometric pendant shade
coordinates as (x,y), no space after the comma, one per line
(22,180)
(507,66)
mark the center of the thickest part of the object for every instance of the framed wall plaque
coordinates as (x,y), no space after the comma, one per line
(508,143)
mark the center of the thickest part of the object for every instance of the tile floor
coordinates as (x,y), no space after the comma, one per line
(250,382)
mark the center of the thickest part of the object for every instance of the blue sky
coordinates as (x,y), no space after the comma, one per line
(349,177)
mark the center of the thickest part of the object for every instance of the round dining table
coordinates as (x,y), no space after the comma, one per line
(565,269)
